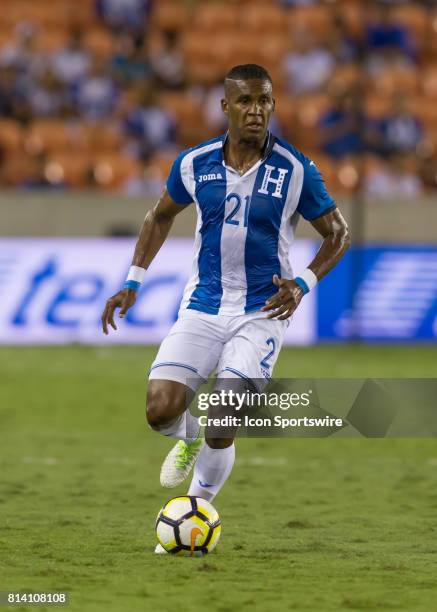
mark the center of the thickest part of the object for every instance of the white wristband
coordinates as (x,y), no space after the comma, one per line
(136,274)
(309,279)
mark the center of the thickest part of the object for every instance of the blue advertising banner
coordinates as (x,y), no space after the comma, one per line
(380,294)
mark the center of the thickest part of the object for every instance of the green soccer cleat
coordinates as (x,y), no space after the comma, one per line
(179,461)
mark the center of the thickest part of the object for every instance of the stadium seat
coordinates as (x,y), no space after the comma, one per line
(97,137)
(111,171)
(315,19)
(52,39)
(425,110)
(47,135)
(353,14)
(183,107)
(160,165)
(17,168)
(266,19)
(429,82)
(169,15)
(75,169)
(212,17)
(11,135)
(345,77)
(99,42)
(392,81)
(377,107)
(348,174)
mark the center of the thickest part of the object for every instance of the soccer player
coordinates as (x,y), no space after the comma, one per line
(250,188)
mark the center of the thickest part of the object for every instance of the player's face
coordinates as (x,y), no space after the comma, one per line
(248,106)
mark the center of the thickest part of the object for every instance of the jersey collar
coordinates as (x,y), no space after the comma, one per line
(267,149)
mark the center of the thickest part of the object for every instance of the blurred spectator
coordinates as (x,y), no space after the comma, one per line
(167,60)
(71,64)
(148,124)
(48,97)
(342,46)
(13,103)
(124,14)
(341,126)
(307,66)
(388,44)
(400,132)
(395,178)
(293,3)
(22,54)
(129,63)
(96,94)
(133,87)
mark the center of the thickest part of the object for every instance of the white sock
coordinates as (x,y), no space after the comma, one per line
(185,427)
(212,468)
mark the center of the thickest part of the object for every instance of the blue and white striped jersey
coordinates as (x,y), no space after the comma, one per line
(246,223)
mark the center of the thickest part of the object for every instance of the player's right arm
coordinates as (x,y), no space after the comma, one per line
(154,231)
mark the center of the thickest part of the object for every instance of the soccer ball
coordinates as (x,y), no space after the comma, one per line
(188,526)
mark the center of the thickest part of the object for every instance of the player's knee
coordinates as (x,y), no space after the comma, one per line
(157,407)
(160,407)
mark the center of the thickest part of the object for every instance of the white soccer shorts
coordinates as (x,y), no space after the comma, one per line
(200,344)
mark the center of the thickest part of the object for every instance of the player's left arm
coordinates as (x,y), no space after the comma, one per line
(336,241)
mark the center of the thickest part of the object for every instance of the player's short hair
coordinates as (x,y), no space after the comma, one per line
(244,72)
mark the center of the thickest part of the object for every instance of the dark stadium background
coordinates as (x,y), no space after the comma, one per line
(97,97)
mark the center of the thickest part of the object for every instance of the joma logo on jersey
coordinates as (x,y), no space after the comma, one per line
(277,180)
(209,177)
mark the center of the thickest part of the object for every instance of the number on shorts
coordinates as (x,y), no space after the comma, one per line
(265,362)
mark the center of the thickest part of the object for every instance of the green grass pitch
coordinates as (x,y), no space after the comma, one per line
(312,525)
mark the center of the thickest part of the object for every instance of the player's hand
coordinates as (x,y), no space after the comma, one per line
(285,301)
(124,299)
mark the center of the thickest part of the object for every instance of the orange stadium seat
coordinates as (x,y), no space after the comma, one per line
(160,165)
(183,107)
(395,80)
(170,15)
(96,136)
(214,17)
(345,77)
(425,110)
(17,168)
(74,169)
(263,18)
(429,82)
(377,107)
(315,19)
(11,135)
(99,41)
(47,135)
(111,171)
(52,39)
(354,16)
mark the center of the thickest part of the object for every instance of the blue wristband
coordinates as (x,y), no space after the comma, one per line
(302,284)
(131,284)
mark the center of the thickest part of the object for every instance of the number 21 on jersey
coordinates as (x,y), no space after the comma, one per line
(236,214)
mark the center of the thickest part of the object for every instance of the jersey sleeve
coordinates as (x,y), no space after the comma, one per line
(314,200)
(175,184)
